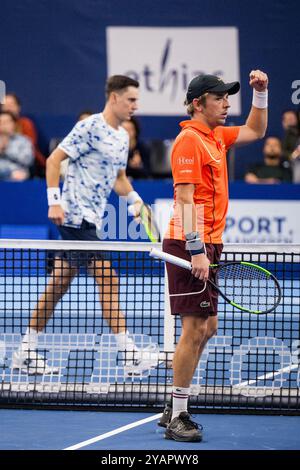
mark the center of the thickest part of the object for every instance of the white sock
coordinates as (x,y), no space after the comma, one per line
(126,346)
(180,396)
(30,340)
(125,342)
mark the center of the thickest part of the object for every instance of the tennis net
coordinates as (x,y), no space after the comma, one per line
(251,365)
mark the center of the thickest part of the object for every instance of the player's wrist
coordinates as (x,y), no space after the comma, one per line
(133,197)
(53,196)
(260,99)
(194,244)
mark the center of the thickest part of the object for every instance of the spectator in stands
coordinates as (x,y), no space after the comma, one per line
(271,171)
(296,153)
(138,157)
(295,164)
(291,135)
(16,151)
(26,127)
(85,114)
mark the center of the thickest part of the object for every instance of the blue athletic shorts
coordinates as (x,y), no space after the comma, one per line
(79,258)
(87,232)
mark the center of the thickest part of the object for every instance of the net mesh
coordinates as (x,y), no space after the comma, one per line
(251,365)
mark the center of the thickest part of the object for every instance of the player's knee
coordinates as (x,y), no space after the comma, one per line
(197,336)
(107,281)
(212,327)
(212,332)
(62,282)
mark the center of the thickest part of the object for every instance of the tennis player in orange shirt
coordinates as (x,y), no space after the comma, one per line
(195,231)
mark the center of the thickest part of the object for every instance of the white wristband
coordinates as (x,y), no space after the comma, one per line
(53,195)
(132,211)
(260,99)
(133,197)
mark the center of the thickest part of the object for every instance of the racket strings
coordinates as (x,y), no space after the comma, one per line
(248,286)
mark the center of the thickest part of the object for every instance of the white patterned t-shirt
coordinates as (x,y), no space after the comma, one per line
(97,152)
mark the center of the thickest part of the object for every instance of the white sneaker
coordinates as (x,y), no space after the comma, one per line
(32,363)
(135,362)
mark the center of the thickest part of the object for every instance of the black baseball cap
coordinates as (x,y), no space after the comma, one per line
(209,83)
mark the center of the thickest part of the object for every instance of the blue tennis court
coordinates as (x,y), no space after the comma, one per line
(39,430)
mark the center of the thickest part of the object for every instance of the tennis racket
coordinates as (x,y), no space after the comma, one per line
(243,285)
(147,219)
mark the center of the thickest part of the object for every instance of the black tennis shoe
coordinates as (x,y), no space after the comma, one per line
(183,429)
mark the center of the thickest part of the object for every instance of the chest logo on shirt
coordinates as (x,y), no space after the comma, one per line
(185,161)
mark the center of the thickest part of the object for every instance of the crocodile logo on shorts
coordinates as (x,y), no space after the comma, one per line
(205,304)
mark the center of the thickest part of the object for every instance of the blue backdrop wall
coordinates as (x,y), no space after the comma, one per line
(53,54)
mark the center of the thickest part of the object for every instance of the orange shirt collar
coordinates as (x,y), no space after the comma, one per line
(198,126)
(195,125)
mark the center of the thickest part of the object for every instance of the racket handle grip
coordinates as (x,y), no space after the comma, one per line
(155,253)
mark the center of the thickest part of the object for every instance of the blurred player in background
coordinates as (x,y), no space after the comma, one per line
(97,149)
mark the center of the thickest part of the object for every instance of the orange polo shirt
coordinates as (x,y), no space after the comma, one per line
(199,157)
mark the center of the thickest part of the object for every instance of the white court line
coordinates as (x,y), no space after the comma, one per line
(113,433)
(270,375)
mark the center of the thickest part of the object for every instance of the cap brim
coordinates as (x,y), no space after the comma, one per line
(230,88)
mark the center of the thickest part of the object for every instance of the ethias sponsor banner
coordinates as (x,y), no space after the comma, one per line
(164,60)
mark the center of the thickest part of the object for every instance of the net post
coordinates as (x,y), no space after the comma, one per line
(169,320)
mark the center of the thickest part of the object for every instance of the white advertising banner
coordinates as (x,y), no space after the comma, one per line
(164,60)
(257,221)
(250,221)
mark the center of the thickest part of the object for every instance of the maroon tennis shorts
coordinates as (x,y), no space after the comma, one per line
(191,301)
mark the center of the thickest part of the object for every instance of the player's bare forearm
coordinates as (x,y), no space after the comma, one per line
(55,212)
(123,187)
(188,214)
(257,121)
(186,207)
(53,167)
(122,184)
